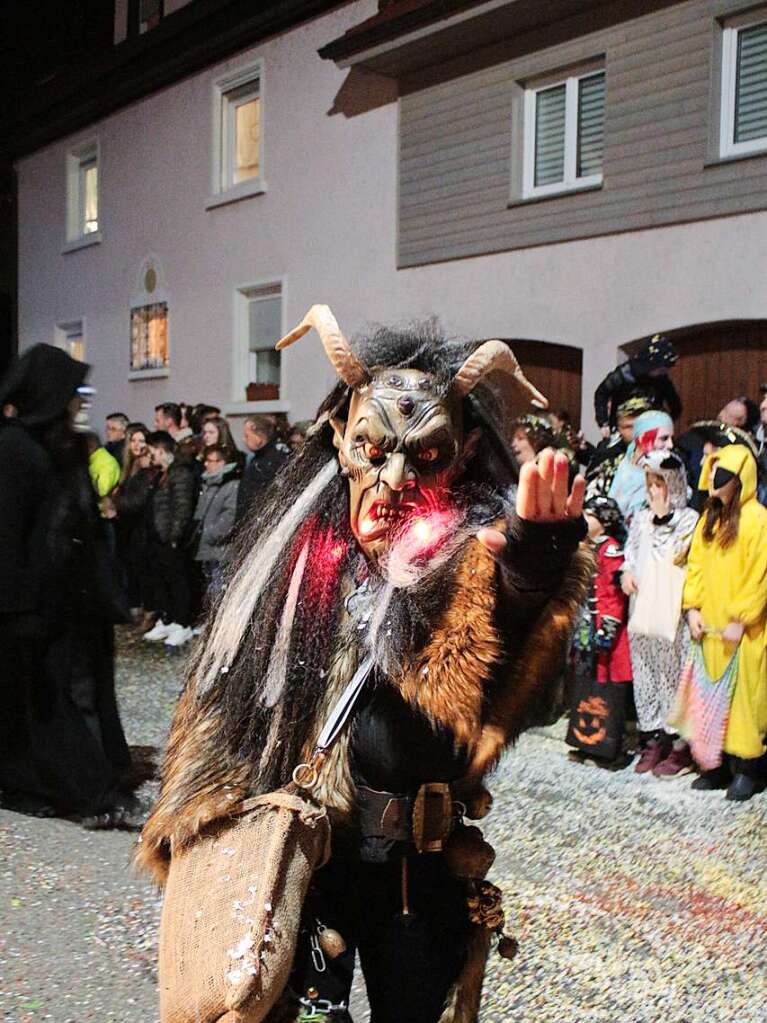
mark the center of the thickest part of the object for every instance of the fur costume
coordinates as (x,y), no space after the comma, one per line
(466,645)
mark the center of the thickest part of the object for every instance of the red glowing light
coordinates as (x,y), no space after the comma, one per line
(422,530)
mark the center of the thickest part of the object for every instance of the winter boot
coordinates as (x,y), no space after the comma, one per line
(745,782)
(707,781)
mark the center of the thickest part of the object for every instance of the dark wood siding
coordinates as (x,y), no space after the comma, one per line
(455,144)
(717,362)
(556,371)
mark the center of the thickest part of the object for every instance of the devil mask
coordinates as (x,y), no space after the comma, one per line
(402,443)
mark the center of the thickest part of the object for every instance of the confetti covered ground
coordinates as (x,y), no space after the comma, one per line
(634,900)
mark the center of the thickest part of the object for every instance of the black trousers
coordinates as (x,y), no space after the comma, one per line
(409,962)
(171,583)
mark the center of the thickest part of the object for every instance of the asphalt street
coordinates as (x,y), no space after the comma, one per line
(634,900)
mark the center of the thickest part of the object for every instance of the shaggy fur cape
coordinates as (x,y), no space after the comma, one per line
(474,648)
(474,685)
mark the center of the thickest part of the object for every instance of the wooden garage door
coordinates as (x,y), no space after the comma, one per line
(556,370)
(717,362)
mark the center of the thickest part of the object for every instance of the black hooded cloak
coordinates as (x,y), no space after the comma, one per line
(61,742)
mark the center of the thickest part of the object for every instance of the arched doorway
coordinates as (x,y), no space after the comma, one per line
(556,370)
(717,362)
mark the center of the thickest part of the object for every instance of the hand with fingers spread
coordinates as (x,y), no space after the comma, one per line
(543,496)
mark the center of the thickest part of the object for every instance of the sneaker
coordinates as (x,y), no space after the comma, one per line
(160,631)
(649,757)
(677,763)
(178,635)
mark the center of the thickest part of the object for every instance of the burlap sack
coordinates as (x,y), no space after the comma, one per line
(232,910)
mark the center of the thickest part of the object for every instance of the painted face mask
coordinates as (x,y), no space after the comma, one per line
(402,443)
(401,447)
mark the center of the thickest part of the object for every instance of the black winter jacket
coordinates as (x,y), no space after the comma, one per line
(263,467)
(132,495)
(173,503)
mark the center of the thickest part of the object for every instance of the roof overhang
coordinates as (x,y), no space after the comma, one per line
(409,35)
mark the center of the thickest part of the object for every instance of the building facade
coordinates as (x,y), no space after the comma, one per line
(572,176)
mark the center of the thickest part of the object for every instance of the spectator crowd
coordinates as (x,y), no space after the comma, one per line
(173,496)
(139,529)
(674,634)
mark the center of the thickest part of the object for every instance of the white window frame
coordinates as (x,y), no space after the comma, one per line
(64,329)
(223,190)
(571,182)
(729,57)
(76,160)
(243,295)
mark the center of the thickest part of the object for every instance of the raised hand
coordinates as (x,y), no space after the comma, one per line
(542,497)
(544,494)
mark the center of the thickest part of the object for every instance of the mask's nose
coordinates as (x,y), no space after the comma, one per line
(397,474)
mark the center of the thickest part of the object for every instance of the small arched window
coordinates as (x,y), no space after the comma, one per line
(149,349)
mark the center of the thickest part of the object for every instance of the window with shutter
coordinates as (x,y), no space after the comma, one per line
(591,125)
(259,324)
(743,127)
(265,330)
(564,133)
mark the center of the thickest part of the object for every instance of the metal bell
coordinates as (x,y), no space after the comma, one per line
(507,946)
(331,943)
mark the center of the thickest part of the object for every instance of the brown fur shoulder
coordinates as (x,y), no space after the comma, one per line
(197,787)
(447,681)
(201,784)
(536,666)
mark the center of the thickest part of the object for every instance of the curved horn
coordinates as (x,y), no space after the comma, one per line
(495,357)
(339,351)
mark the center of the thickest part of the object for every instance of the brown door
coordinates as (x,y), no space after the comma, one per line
(717,362)
(556,370)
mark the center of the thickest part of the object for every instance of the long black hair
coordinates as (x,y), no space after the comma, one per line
(300,543)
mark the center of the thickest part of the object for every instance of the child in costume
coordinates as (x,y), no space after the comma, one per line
(653,431)
(600,648)
(725,597)
(388,536)
(661,532)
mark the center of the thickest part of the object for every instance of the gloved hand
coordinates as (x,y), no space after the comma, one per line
(606,634)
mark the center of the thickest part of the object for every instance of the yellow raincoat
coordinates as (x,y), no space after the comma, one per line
(730,585)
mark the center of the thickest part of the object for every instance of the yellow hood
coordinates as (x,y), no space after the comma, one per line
(735,458)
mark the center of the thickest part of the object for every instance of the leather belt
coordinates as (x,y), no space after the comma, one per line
(425,819)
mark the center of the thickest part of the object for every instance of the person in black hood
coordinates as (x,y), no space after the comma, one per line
(645,375)
(62,747)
